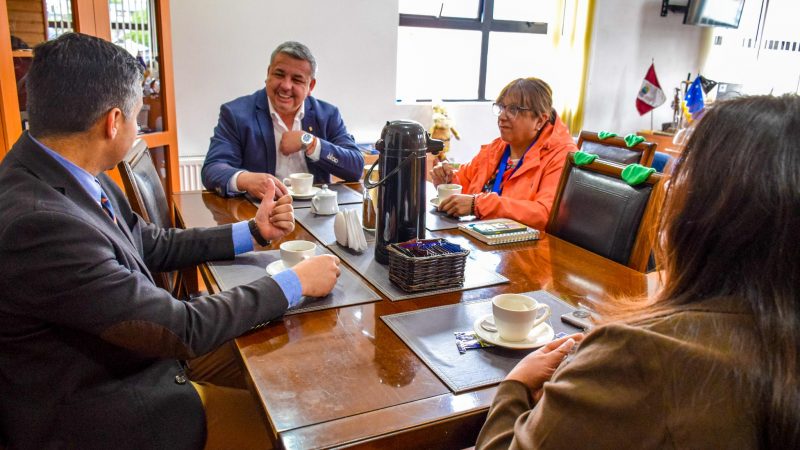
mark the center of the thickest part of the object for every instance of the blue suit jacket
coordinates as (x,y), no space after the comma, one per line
(244,139)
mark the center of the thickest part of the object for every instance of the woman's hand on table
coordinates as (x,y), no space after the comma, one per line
(457,205)
(538,367)
(318,275)
(274,219)
(442,173)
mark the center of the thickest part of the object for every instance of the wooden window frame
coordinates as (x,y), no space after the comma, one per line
(92,17)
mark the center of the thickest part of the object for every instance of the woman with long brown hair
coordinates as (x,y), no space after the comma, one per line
(713,360)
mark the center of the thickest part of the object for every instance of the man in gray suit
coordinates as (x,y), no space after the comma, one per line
(89,346)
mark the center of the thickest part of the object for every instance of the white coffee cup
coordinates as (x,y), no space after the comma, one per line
(299,182)
(325,201)
(515,315)
(293,252)
(446,190)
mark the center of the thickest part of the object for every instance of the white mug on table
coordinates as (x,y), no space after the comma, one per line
(446,190)
(293,252)
(299,182)
(515,315)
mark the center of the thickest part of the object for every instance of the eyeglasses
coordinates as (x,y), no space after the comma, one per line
(511,110)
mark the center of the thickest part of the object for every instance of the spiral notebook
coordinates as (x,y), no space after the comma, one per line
(499,231)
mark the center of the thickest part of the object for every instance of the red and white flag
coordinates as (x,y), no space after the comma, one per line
(650,94)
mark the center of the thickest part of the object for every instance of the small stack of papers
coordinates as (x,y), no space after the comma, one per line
(499,231)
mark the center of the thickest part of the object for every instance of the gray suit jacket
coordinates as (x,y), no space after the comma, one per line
(88,344)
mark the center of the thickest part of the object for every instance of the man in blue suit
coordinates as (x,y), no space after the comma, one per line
(278,131)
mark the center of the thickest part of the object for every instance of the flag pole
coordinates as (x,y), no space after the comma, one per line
(652,63)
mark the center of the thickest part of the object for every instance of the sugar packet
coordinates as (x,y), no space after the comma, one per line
(466,340)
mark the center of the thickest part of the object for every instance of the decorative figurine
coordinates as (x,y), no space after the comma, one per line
(442,129)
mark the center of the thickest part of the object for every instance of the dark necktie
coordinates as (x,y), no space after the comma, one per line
(107,206)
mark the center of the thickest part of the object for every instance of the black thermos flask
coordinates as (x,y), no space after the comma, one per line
(401,193)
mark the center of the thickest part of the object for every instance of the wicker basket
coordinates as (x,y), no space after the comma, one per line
(414,274)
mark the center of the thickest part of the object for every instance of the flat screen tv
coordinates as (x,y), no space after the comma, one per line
(714,13)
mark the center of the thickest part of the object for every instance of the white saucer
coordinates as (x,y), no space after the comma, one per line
(276,267)
(435,201)
(308,194)
(538,336)
(314,210)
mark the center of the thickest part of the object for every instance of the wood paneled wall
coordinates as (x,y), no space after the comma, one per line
(27,20)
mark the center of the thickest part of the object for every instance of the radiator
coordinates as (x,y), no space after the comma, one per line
(190,173)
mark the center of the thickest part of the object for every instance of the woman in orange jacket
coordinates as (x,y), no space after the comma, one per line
(517,174)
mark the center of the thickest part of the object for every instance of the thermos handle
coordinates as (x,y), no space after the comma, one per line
(370,185)
(433,145)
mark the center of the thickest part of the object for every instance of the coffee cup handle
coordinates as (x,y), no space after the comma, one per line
(287,182)
(540,320)
(314,205)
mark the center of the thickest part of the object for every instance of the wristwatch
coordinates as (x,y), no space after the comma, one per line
(306,139)
(257,234)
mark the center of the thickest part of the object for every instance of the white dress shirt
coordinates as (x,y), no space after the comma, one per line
(284,164)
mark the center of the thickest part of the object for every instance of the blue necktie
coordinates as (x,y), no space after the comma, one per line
(107,206)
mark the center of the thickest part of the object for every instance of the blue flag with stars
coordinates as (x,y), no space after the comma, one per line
(694,97)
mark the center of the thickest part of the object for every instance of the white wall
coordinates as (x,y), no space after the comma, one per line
(221,51)
(759,69)
(627,35)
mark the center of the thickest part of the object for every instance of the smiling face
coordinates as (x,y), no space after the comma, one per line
(289,82)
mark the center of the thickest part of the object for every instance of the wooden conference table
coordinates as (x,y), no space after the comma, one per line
(341,377)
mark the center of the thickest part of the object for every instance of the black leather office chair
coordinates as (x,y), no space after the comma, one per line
(596,209)
(147,198)
(614,149)
(143,185)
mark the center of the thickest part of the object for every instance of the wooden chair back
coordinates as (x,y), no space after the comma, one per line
(615,149)
(596,209)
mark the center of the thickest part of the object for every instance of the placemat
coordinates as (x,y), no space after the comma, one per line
(250,266)
(430,335)
(345,196)
(321,226)
(436,220)
(475,275)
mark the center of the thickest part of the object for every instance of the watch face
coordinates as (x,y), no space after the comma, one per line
(306,138)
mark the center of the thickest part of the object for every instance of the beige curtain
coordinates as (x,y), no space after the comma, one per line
(572,33)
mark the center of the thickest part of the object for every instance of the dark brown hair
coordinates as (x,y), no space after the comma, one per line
(730,225)
(75,79)
(531,93)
